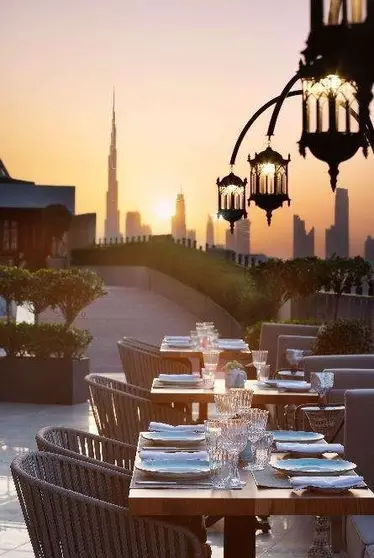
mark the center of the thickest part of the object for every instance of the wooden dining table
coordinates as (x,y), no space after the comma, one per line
(240,507)
(261,395)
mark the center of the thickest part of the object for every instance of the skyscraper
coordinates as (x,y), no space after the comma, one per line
(210,231)
(242,237)
(133,224)
(303,242)
(337,236)
(112,226)
(369,249)
(178,221)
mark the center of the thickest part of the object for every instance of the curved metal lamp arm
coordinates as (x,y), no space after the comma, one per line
(282,97)
(253,119)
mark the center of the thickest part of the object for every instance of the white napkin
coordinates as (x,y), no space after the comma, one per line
(289,384)
(182,338)
(178,378)
(342,481)
(232,342)
(309,448)
(162,427)
(171,456)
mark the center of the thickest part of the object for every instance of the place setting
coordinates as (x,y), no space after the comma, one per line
(188,381)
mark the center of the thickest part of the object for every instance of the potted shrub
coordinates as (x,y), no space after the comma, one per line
(235,375)
(45,363)
(343,337)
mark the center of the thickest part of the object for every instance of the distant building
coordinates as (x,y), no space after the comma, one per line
(133,224)
(303,242)
(369,249)
(178,221)
(191,234)
(337,236)
(146,230)
(112,221)
(210,231)
(32,217)
(230,243)
(243,237)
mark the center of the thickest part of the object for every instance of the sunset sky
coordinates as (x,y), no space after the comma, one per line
(188,74)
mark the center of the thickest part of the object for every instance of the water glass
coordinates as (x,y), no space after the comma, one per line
(259,359)
(241,400)
(257,426)
(234,440)
(262,452)
(225,405)
(211,359)
(208,378)
(264,372)
(194,339)
(221,466)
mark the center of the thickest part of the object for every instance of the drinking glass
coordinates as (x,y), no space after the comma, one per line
(259,359)
(211,359)
(322,382)
(257,426)
(208,378)
(264,372)
(234,439)
(262,451)
(225,405)
(294,357)
(241,400)
(220,464)
(213,432)
(194,339)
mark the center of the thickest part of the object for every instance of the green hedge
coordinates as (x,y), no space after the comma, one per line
(222,281)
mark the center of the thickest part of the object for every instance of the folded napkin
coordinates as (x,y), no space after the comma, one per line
(162,427)
(342,481)
(236,342)
(178,378)
(182,338)
(309,448)
(289,384)
(174,456)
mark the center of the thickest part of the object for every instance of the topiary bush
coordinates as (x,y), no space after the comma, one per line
(343,337)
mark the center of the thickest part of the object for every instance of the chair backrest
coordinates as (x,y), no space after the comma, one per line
(321,362)
(304,342)
(79,444)
(269,337)
(122,410)
(78,510)
(142,363)
(358,446)
(347,379)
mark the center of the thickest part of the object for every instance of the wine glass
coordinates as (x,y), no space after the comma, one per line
(259,359)
(225,405)
(241,400)
(257,426)
(234,440)
(294,357)
(211,359)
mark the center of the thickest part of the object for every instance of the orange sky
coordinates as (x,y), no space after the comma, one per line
(188,74)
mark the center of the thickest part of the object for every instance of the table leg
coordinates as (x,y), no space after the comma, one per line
(203,412)
(239,537)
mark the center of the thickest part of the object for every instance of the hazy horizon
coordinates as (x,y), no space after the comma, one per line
(187,77)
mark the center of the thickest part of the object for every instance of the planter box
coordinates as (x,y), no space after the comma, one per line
(43,380)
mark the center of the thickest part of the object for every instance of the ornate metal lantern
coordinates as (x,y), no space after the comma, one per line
(232,198)
(337,76)
(269,181)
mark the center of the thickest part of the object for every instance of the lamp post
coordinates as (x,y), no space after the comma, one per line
(337,75)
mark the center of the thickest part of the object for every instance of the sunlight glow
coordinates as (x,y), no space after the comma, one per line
(268,168)
(164,209)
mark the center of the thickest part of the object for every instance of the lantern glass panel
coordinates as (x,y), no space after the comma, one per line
(353,11)
(330,101)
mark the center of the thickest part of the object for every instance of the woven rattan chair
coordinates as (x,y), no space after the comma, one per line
(78,510)
(122,410)
(142,362)
(87,447)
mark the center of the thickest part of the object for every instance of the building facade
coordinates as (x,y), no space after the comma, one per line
(178,221)
(303,242)
(133,224)
(210,232)
(112,221)
(337,236)
(369,249)
(243,237)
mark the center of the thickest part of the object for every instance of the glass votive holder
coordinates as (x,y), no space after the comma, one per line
(262,451)
(221,468)
(208,377)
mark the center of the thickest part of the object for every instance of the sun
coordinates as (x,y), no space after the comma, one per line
(164,210)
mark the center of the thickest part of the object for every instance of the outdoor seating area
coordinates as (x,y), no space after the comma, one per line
(192,460)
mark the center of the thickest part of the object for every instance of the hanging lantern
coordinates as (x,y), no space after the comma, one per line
(337,76)
(269,181)
(232,198)
(330,130)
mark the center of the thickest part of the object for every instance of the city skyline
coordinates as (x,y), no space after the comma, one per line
(55,107)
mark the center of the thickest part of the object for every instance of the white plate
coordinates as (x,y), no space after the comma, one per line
(297,436)
(175,382)
(313,466)
(170,438)
(174,469)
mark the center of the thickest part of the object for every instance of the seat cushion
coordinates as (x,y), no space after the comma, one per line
(369,552)
(359,534)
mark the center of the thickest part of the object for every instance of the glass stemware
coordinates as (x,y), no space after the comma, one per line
(225,405)
(259,359)
(241,401)
(294,357)
(257,419)
(211,359)
(234,440)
